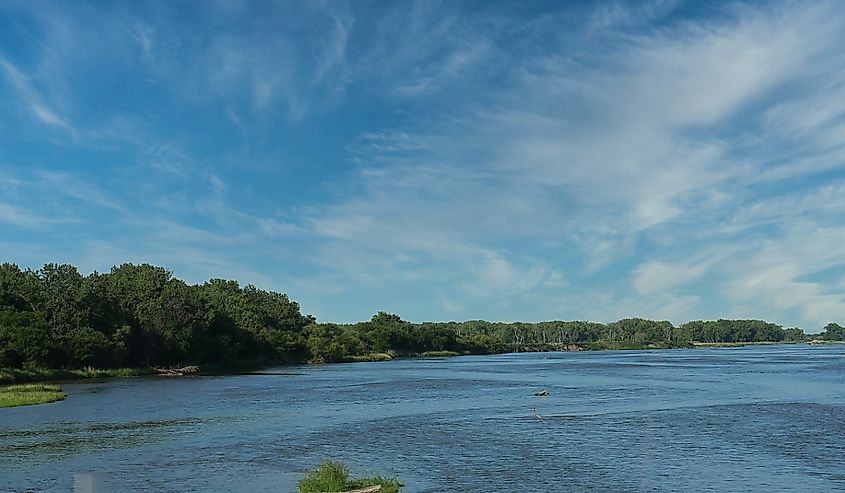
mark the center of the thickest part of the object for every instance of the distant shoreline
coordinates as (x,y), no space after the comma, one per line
(14,376)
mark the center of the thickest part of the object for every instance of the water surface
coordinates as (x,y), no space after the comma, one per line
(757,418)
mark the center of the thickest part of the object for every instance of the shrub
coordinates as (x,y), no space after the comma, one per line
(331,476)
(327,477)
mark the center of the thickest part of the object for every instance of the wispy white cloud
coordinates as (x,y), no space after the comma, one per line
(73,187)
(657,276)
(19,216)
(587,161)
(145,36)
(776,276)
(30,98)
(613,16)
(600,157)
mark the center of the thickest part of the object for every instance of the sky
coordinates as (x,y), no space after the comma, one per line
(440,160)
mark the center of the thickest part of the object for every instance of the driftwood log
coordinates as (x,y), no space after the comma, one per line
(178,372)
(369,489)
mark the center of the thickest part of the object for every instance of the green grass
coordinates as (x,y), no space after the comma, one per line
(29,394)
(331,476)
(15,375)
(372,357)
(438,354)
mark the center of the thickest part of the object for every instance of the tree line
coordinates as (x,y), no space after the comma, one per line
(142,316)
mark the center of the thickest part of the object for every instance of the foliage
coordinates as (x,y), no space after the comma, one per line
(141,316)
(26,339)
(327,477)
(331,476)
(794,334)
(731,331)
(833,332)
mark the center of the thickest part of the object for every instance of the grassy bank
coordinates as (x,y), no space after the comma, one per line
(10,376)
(597,346)
(332,476)
(719,344)
(632,346)
(438,354)
(371,357)
(29,394)
(15,375)
(741,344)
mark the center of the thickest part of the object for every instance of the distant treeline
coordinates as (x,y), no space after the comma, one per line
(141,316)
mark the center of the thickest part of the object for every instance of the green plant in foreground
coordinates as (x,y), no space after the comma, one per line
(331,476)
(29,394)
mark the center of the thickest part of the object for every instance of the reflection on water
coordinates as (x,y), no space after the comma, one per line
(763,418)
(75,438)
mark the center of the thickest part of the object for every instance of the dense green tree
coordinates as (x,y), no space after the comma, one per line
(142,315)
(27,341)
(329,343)
(794,334)
(17,287)
(731,331)
(833,332)
(58,297)
(90,347)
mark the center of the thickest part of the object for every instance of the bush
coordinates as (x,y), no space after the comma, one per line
(331,476)
(26,340)
(90,347)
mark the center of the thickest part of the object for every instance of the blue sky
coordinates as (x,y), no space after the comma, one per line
(441,160)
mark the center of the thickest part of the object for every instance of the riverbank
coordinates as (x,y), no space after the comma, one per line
(598,346)
(29,394)
(10,376)
(16,375)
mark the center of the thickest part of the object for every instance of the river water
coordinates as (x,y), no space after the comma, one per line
(756,418)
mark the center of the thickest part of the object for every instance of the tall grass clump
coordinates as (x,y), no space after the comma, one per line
(332,477)
(327,477)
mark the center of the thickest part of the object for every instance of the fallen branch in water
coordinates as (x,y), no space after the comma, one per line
(370,489)
(178,372)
